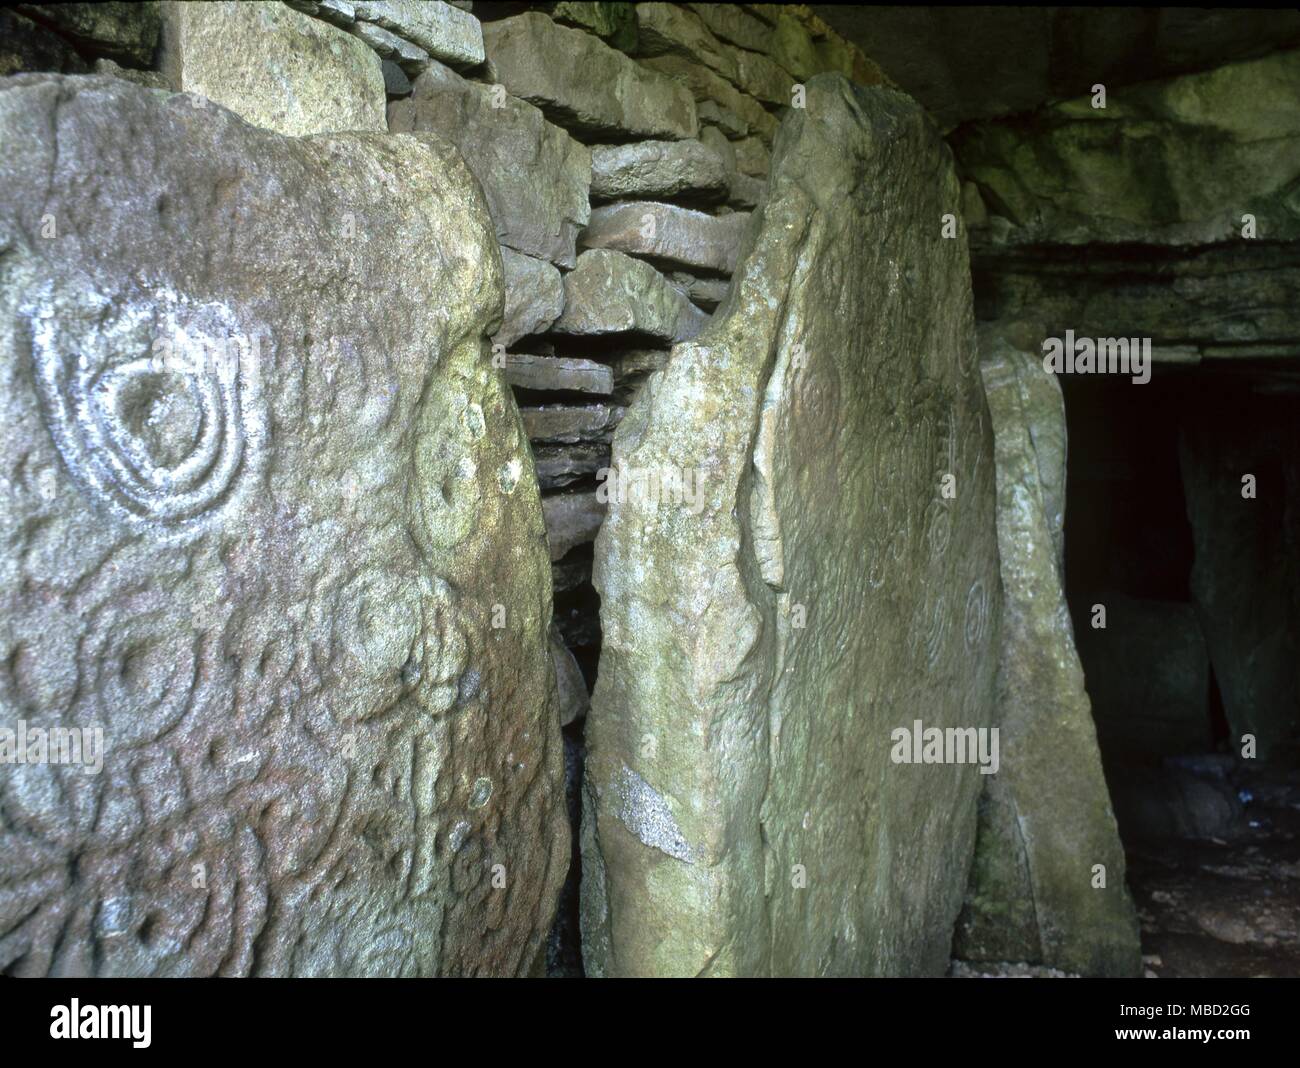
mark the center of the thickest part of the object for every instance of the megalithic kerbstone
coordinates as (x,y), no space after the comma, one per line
(268,519)
(744,811)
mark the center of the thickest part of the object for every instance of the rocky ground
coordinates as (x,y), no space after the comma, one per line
(1228,904)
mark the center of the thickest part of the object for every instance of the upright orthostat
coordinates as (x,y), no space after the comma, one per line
(838,582)
(269,531)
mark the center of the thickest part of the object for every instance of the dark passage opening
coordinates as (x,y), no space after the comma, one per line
(1182,530)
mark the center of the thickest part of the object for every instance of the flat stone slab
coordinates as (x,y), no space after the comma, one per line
(611,293)
(596,90)
(259,516)
(535,176)
(571,423)
(562,465)
(572,519)
(295,74)
(747,810)
(668,232)
(534,296)
(657,169)
(447,33)
(558,373)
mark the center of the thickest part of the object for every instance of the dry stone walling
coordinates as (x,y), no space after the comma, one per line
(263,497)
(744,813)
(1047,885)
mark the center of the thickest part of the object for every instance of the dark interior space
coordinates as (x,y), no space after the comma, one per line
(1195,651)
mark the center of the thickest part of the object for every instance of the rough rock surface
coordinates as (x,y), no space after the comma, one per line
(535,176)
(1168,162)
(1046,817)
(595,90)
(296,75)
(657,169)
(942,56)
(123,31)
(255,516)
(534,297)
(743,814)
(28,46)
(558,373)
(668,232)
(444,32)
(611,293)
(703,84)
(571,519)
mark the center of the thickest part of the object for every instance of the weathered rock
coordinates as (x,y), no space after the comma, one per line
(534,297)
(762,77)
(732,23)
(1245,581)
(1170,162)
(535,176)
(1045,818)
(566,423)
(611,293)
(704,84)
(657,169)
(745,191)
(571,519)
(792,47)
(615,22)
(711,113)
(562,465)
(396,81)
(708,293)
(410,57)
(752,158)
(26,46)
(265,559)
(558,373)
(447,33)
(150,79)
(1059,52)
(595,91)
(671,30)
(123,31)
(295,74)
(790,843)
(1241,297)
(668,232)
(573,699)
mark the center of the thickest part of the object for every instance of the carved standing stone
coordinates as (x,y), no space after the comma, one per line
(259,516)
(743,814)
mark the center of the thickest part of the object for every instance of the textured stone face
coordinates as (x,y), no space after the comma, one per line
(595,90)
(610,293)
(126,31)
(443,31)
(534,297)
(657,169)
(744,815)
(1046,817)
(668,232)
(535,176)
(295,74)
(256,513)
(1169,162)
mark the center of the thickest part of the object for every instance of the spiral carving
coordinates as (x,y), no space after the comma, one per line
(162,439)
